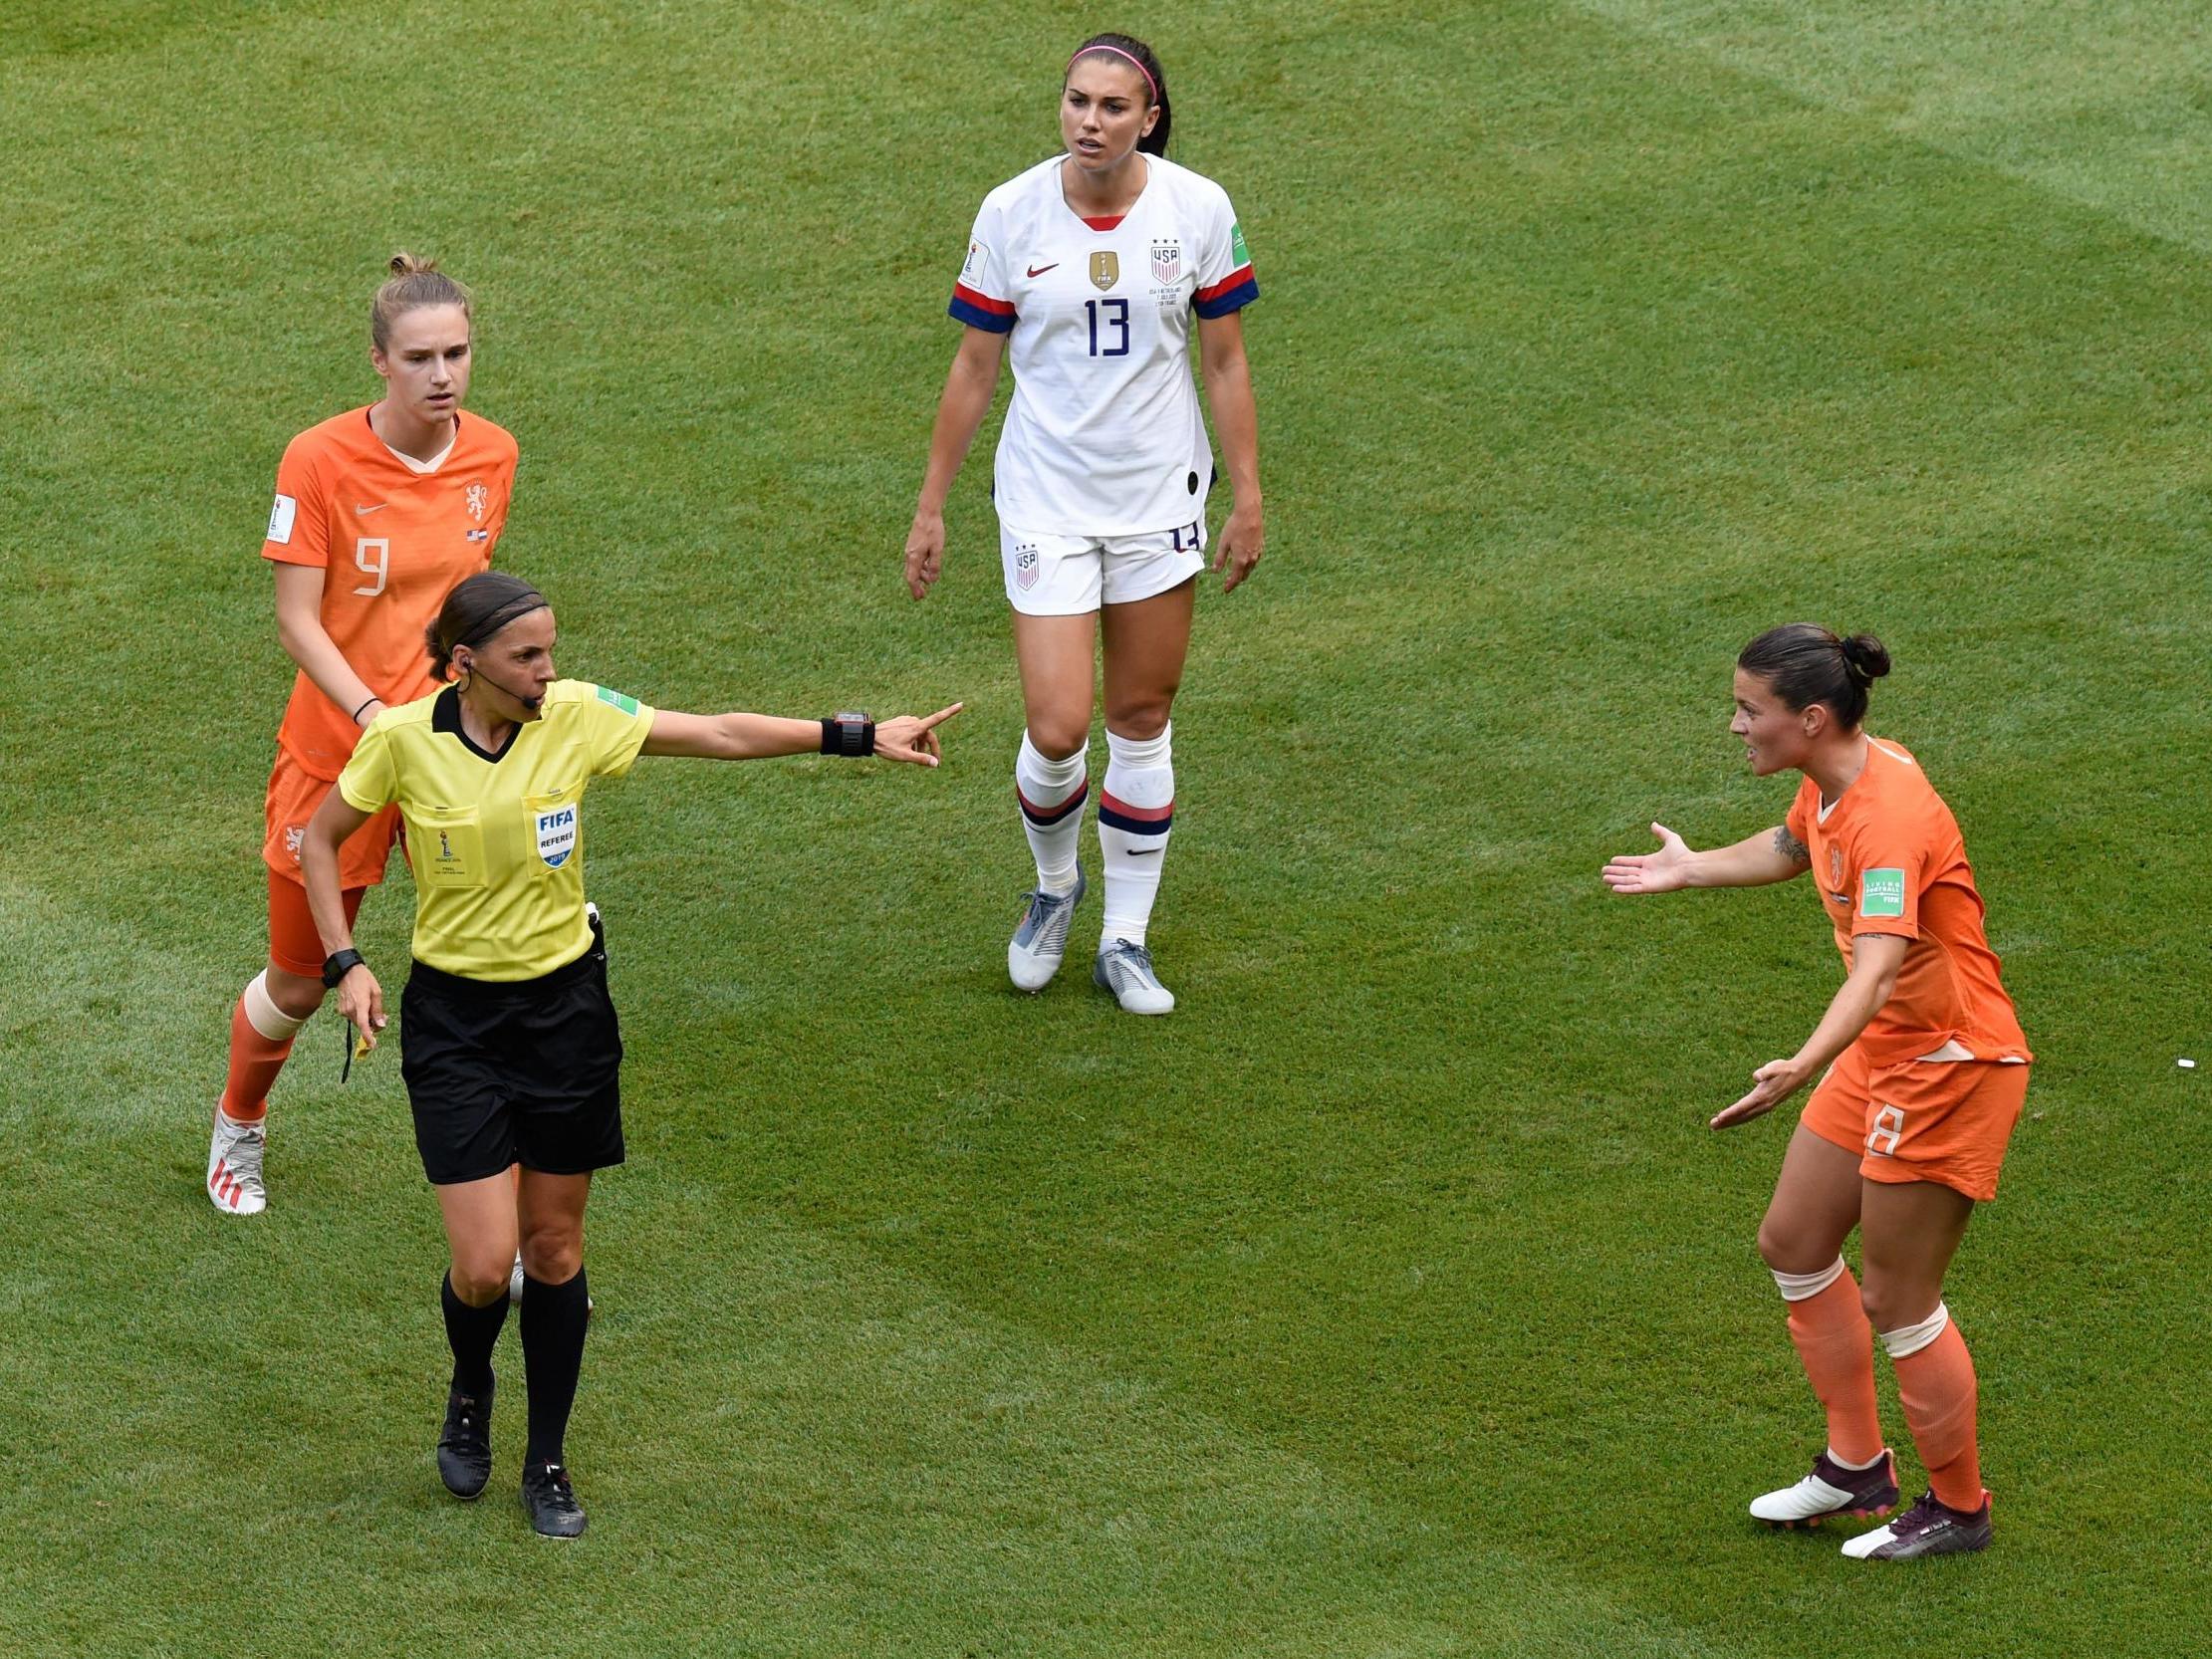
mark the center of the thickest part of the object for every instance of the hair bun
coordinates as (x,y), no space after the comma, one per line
(1865,657)
(405,264)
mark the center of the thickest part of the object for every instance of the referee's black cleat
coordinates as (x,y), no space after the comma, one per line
(465,1445)
(550,1500)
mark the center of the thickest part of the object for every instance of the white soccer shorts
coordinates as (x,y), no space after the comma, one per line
(1070,576)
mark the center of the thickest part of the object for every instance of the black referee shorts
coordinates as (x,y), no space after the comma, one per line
(526,1072)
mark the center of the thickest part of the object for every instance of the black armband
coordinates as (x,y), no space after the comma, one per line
(337,964)
(849,735)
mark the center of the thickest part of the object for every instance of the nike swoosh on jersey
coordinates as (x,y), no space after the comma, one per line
(362,512)
(1040,270)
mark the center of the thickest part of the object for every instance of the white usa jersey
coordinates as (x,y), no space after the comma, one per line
(1103,436)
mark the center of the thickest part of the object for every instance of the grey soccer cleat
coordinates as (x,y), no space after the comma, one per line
(234,1152)
(1035,952)
(1126,971)
(1929,1528)
(1832,1490)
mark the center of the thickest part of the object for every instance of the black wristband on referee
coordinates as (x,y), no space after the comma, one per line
(849,735)
(337,964)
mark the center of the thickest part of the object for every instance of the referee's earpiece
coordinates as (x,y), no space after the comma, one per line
(471,670)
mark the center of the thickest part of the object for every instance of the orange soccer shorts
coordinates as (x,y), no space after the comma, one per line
(1921,1120)
(294,794)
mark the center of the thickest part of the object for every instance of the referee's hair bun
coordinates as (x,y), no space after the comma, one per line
(1865,657)
(405,264)
(477,607)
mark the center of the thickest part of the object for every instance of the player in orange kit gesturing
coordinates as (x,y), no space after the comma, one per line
(1921,1072)
(380,512)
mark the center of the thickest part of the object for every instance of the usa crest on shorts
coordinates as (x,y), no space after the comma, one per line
(1025,566)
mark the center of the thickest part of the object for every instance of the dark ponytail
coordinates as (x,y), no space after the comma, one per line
(1807,664)
(477,609)
(1122,49)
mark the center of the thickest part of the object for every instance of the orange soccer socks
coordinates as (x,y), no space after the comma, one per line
(1837,1345)
(261,1037)
(1935,1379)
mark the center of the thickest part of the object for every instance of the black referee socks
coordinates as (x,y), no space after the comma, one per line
(554,1321)
(473,1332)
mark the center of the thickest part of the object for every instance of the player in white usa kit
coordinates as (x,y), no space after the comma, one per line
(1094,264)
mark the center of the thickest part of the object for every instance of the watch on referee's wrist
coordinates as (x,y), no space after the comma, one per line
(337,964)
(851,735)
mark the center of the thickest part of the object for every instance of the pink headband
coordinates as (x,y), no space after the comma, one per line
(1119,53)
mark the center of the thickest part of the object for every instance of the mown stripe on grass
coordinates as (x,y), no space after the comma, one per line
(2102,105)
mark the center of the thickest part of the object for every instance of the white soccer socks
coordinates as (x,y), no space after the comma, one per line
(1137,809)
(1052,794)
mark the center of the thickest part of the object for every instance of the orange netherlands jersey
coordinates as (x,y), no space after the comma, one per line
(1889,858)
(392,543)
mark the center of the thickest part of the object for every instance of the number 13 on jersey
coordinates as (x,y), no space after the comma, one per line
(1116,317)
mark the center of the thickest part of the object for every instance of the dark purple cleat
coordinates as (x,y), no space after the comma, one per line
(1830,1489)
(1929,1528)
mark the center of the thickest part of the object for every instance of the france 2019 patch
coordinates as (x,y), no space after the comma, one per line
(1237,255)
(280,520)
(1881,892)
(629,705)
(556,835)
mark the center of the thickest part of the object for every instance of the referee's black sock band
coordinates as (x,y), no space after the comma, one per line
(554,1321)
(471,1331)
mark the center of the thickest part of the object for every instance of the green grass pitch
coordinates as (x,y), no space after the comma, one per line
(1392,1297)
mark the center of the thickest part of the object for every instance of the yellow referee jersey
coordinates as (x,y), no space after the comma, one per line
(497,839)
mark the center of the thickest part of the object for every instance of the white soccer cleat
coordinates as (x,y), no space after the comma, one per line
(234,1184)
(1040,944)
(1126,971)
(1832,1490)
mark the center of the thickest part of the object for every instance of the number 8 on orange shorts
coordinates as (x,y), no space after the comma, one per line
(1938,1121)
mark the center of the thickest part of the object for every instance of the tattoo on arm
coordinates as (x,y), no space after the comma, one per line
(1791,848)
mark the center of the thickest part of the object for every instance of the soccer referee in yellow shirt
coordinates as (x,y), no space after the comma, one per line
(509,1043)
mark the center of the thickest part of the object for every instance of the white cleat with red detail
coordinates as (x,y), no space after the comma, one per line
(234,1183)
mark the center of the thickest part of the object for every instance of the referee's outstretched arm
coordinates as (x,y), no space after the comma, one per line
(755,737)
(736,736)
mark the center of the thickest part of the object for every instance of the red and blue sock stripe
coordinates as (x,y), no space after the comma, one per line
(1117,814)
(1043,818)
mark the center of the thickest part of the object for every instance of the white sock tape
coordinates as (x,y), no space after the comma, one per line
(1913,1338)
(1797,1286)
(263,1013)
